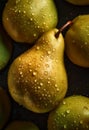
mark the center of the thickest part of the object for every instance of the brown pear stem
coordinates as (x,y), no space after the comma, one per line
(62,28)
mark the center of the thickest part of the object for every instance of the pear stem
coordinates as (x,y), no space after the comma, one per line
(62,28)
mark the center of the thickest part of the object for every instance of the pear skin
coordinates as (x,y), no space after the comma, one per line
(21,125)
(5,48)
(26,20)
(71,114)
(37,79)
(79,2)
(77,41)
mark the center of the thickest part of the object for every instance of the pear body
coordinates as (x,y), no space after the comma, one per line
(37,78)
(26,20)
(71,114)
(77,41)
(79,2)
(21,125)
(5,48)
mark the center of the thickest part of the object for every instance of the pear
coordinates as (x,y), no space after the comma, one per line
(79,2)
(37,78)
(21,125)
(26,20)
(77,41)
(5,108)
(5,48)
(71,114)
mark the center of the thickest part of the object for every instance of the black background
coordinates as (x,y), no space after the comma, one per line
(78,77)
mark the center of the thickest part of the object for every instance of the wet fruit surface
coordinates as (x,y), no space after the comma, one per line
(78,78)
(71,114)
(5,48)
(21,125)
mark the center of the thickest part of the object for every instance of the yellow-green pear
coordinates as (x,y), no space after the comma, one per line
(79,2)
(71,114)
(5,48)
(77,41)
(37,78)
(21,125)
(26,20)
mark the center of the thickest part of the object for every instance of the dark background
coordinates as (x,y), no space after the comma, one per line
(78,77)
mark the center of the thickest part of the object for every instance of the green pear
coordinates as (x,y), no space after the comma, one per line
(77,41)
(26,20)
(79,2)
(37,78)
(5,108)
(21,125)
(71,114)
(5,48)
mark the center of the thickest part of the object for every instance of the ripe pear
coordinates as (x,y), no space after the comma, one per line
(26,20)
(37,78)
(5,48)
(79,2)
(77,41)
(71,114)
(21,125)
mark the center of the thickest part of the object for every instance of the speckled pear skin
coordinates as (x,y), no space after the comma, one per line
(79,2)
(21,125)
(5,48)
(77,41)
(71,114)
(37,79)
(26,20)
(5,108)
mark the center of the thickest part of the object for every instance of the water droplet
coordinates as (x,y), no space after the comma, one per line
(64,102)
(42,94)
(54,49)
(49,52)
(37,47)
(19,11)
(46,104)
(56,61)
(31,19)
(30,70)
(32,14)
(48,82)
(38,87)
(34,73)
(30,7)
(34,34)
(86,43)
(65,126)
(75,121)
(55,85)
(29,64)
(58,89)
(38,26)
(68,111)
(21,72)
(41,84)
(24,12)
(81,122)
(7,18)
(44,89)
(49,95)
